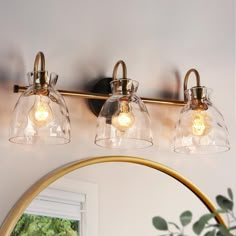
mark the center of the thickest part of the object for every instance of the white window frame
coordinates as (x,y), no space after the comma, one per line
(81,197)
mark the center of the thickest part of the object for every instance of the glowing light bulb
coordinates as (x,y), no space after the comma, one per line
(200,123)
(124,119)
(40,113)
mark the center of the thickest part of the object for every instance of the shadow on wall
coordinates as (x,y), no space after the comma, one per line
(11,72)
(166,116)
(11,66)
(170,85)
(87,74)
(86,71)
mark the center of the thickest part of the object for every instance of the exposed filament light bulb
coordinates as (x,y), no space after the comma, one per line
(40,114)
(124,119)
(200,123)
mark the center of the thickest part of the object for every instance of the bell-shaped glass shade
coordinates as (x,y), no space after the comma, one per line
(124,121)
(40,116)
(201,128)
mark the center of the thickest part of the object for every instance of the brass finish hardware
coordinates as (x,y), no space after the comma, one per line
(186,80)
(116,68)
(89,95)
(39,73)
(198,92)
(39,63)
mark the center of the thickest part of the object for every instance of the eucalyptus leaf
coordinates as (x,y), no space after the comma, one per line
(220,211)
(186,217)
(199,225)
(224,231)
(230,193)
(224,202)
(219,234)
(210,233)
(159,223)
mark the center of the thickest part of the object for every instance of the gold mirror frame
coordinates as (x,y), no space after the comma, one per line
(20,206)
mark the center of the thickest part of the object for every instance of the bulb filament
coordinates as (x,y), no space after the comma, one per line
(124,119)
(200,123)
(40,113)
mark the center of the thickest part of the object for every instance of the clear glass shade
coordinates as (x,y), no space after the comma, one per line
(201,128)
(40,115)
(124,121)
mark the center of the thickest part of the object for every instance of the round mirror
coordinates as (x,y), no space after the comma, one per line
(121,195)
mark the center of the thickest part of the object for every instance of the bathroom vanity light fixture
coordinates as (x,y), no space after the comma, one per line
(123,121)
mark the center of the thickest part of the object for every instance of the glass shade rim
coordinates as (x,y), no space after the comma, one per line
(148,143)
(14,139)
(213,149)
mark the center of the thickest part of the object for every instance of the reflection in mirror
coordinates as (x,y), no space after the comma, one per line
(122,198)
(65,206)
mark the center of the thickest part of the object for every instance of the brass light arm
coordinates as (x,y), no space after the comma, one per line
(39,73)
(124,78)
(186,80)
(90,95)
(122,63)
(39,63)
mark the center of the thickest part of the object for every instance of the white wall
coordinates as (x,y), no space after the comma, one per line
(82,40)
(130,195)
